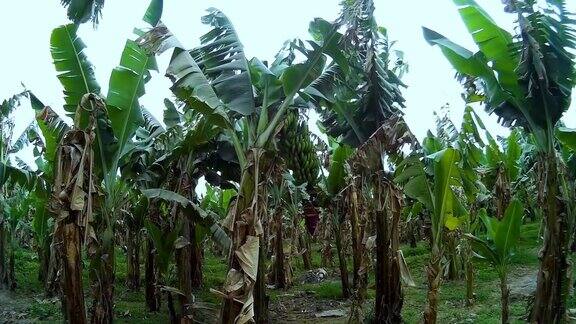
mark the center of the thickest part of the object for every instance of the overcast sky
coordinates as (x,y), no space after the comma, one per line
(263,26)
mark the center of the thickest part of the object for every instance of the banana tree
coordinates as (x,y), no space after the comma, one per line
(334,183)
(134,223)
(81,11)
(15,210)
(439,197)
(383,203)
(527,80)
(502,236)
(288,198)
(10,175)
(175,158)
(222,89)
(469,142)
(168,242)
(114,122)
(357,94)
(502,169)
(217,201)
(52,128)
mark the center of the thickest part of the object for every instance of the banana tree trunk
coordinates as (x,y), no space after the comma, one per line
(389,297)
(279,271)
(12,272)
(502,188)
(552,287)
(52,285)
(72,284)
(242,303)
(133,260)
(261,300)
(184,270)
(356,248)
(360,279)
(469,280)
(151,278)
(3,269)
(102,311)
(196,258)
(44,258)
(305,248)
(413,228)
(342,262)
(505,294)
(468,264)
(434,275)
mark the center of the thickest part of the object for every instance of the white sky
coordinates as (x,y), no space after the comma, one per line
(263,26)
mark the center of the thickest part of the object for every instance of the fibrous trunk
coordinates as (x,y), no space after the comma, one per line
(279,274)
(434,275)
(389,298)
(306,250)
(241,303)
(505,293)
(151,278)
(44,258)
(72,266)
(184,270)
(196,258)
(133,262)
(552,287)
(3,270)
(72,201)
(360,277)
(11,271)
(102,282)
(52,284)
(342,261)
(469,281)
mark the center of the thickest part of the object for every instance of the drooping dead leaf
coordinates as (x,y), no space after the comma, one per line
(247,312)
(404,270)
(234,280)
(248,254)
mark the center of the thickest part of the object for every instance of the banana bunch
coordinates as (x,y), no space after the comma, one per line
(298,150)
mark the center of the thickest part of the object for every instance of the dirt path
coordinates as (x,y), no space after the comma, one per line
(13,308)
(304,307)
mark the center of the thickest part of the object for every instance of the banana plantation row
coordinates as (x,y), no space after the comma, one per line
(117,177)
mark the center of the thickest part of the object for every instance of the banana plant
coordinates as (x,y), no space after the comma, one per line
(116,120)
(502,236)
(287,201)
(168,241)
(567,138)
(217,200)
(15,210)
(469,141)
(52,127)
(222,89)
(439,197)
(81,11)
(502,169)
(356,95)
(334,183)
(11,176)
(205,217)
(527,80)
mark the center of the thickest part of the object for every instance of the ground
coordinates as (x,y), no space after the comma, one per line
(304,303)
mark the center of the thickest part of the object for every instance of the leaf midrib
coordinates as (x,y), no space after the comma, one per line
(445,190)
(76,56)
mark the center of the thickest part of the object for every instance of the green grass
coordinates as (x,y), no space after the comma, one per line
(130,306)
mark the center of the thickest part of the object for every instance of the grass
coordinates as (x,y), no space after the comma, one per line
(130,306)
